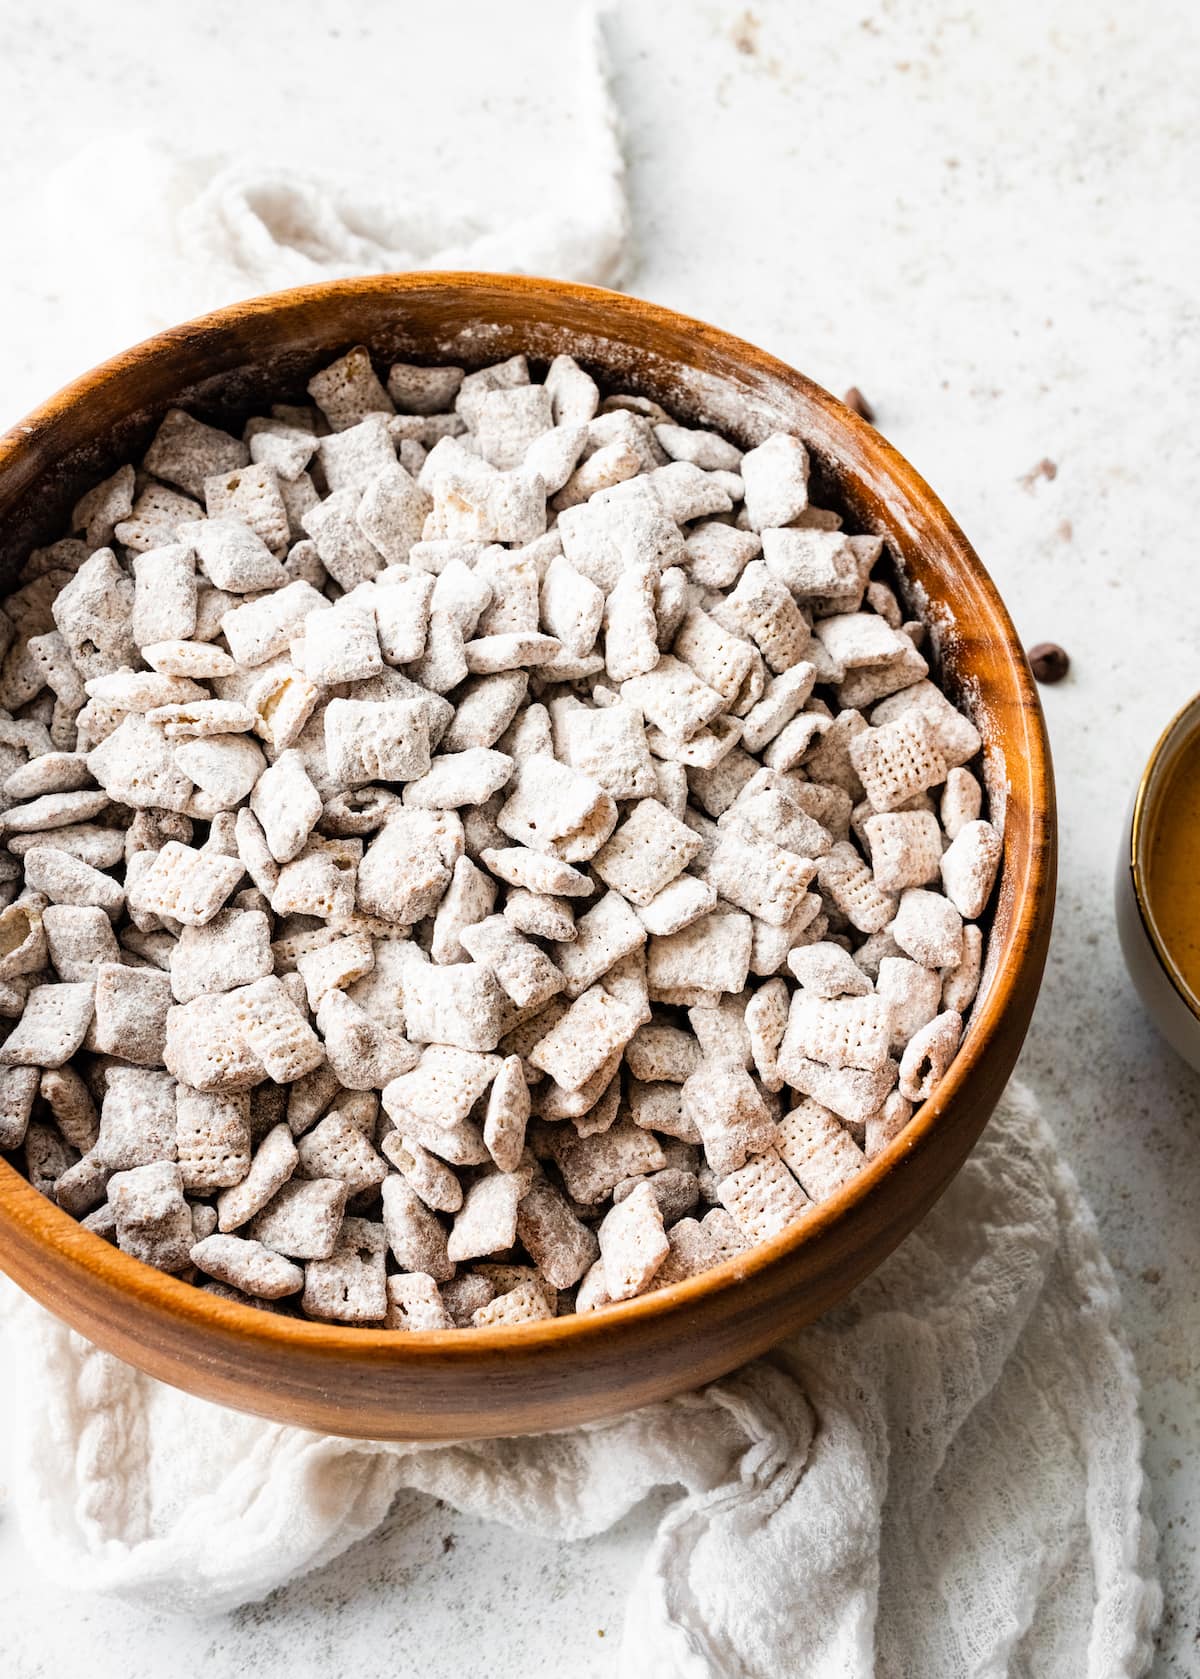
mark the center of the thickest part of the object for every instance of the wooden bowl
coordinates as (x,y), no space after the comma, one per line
(447,1385)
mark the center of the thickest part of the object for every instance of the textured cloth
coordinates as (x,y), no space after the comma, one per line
(941,1478)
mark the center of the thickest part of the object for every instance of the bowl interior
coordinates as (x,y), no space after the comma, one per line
(224,366)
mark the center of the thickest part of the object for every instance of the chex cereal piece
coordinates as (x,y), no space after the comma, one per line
(335,966)
(487,1221)
(224,768)
(153,1221)
(212,1139)
(272,1164)
(819,1152)
(571,606)
(726,1109)
(186,884)
(94,614)
(929,928)
(423,390)
(431,1178)
(559,1243)
(102,508)
(275,1030)
(466,1294)
(262,628)
(851,1092)
(759,877)
(961,801)
(232,556)
(766,1022)
(204,1049)
(282,702)
(763,1197)
(767,612)
(348,389)
(376,740)
(164,600)
(826,970)
(70,1101)
(486,706)
(906,848)
(709,955)
(251,493)
(961,982)
(247,1265)
(914,993)
(610,746)
(78,941)
(956,737)
(969,867)
(204,717)
(131,1013)
(185,451)
(536,871)
(65,880)
(849,884)
(415,1236)
(351,1285)
(335,1148)
(633,1244)
(507,1116)
(18,1087)
(839,1032)
(457,779)
(287,805)
(526,1303)
(53,1026)
(685,900)
(591,1166)
(555,809)
(661,1051)
(898,760)
(414,1303)
(594,1027)
(720,1029)
(674,698)
(301,1219)
(444,1086)
(339,646)
(645,852)
(470,897)
(886,1123)
(658,1107)
(537,913)
(606,933)
(408,866)
(137,1118)
(23,937)
(523,971)
(928,1054)
(365,1053)
(775,476)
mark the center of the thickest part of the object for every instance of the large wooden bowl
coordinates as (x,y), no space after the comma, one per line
(438,1386)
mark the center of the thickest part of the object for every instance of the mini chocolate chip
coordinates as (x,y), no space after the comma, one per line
(1049,662)
(857,402)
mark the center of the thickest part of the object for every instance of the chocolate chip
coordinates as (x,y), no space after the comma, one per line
(858,404)
(1049,662)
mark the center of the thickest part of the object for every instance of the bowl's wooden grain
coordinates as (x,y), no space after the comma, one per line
(370,1383)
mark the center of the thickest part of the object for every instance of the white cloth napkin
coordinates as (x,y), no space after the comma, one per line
(941,1478)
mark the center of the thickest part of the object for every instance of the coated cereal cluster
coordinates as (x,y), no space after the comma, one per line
(472,851)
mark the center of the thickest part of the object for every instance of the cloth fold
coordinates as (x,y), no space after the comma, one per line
(942,1477)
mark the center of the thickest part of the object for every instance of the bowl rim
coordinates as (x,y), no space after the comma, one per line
(1185,725)
(22,1204)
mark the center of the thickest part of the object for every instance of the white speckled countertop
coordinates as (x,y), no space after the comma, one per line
(986,218)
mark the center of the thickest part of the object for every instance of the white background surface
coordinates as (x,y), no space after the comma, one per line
(984,216)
